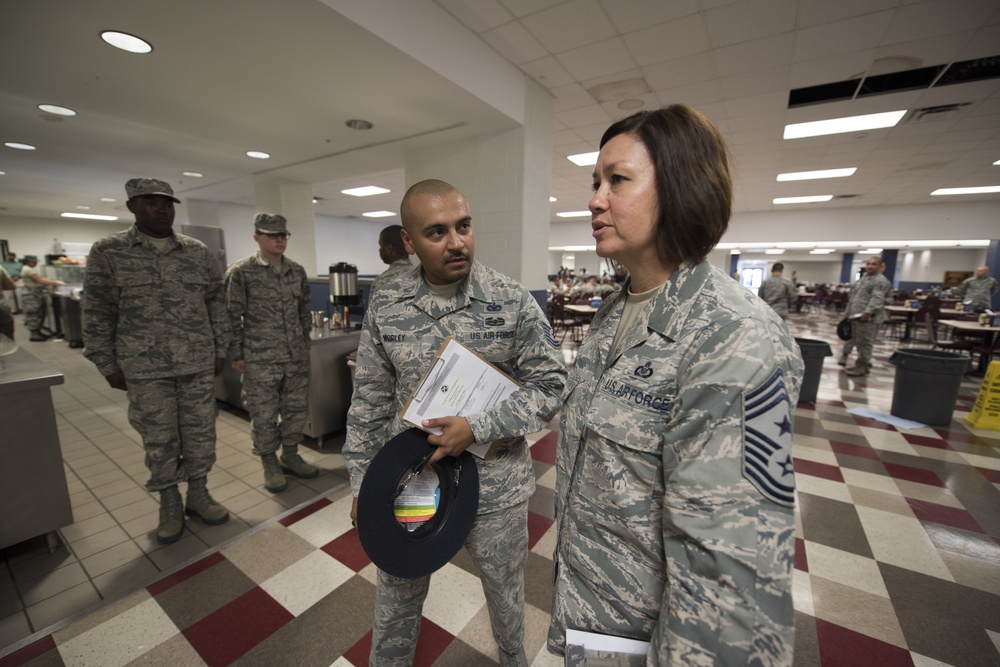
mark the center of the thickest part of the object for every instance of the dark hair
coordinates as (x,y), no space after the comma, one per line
(693,182)
(778,266)
(391,236)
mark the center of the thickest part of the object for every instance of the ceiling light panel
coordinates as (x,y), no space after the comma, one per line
(126,42)
(816,128)
(365,191)
(815,175)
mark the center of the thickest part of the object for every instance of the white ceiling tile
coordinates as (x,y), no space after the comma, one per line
(548,72)
(590,115)
(478,15)
(772,104)
(521,8)
(638,14)
(649,101)
(594,60)
(694,95)
(817,12)
(570,25)
(666,41)
(748,20)
(846,36)
(756,55)
(514,43)
(696,68)
(927,20)
(571,97)
(830,69)
(984,44)
(770,80)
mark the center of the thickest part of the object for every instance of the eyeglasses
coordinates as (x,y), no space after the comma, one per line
(276,235)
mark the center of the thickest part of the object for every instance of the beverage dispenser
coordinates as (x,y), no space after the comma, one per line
(344,289)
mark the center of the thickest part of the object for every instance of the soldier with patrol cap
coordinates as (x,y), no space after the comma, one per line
(267,296)
(405,324)
(35,290)
(155,325)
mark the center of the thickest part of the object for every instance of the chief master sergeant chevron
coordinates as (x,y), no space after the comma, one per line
(404,326)
(155,325)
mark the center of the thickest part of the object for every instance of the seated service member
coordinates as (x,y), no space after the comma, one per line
(270,312)
(405,324)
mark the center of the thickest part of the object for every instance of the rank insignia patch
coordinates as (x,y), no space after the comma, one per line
(767,447)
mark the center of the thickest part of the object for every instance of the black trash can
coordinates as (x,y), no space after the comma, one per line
(927,384)
(813,352)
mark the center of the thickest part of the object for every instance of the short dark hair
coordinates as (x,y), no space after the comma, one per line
(778,266)
(693,181)
(391,236)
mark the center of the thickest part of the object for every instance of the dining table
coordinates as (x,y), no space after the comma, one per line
(911,312)
(989,344)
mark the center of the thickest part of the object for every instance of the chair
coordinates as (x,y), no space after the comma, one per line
(560,319)
(946,345)
(987,352)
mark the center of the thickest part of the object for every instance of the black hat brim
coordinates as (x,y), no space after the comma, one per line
(844,331)
(390,546)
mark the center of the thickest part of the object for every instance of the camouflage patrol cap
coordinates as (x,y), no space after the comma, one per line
(136,187)
(269,223)
(30,258)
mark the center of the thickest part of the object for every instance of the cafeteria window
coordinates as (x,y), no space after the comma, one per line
(752,274)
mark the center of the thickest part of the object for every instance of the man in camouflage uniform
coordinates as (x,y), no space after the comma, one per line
(866,308)
(267,296)
(155,325)
(979,289)
(778,292)
(404,326)
(6,316)
(392,251)
(35,290)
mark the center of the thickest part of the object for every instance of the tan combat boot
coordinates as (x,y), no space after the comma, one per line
(274,479)
(171,516)
(200,504)
(294,464)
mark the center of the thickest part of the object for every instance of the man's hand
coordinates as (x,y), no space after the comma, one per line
(220,363)
(454,439)
(240,365)
(117,380)
(865,317)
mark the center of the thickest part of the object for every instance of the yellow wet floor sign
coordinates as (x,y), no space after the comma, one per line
(986,412)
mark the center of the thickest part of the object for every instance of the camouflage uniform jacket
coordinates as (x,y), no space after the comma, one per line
(396,270)
(674,488)
(153,315)
(500,321)
(869,295)
(979,291)
(779,293)
(270,310)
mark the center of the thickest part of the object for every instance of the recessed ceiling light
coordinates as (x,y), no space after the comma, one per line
(20,147)
(574,214)
(126,42)
(192,174)
(735,251)
(816,128)
(821,251)
(870,251)
(378,214)
(584,159)
(3,173)
(365,191)
(56,109)
(358,124)
(822,173)
(552,199)
(258,155)
(88,216)
(631,103)
(997,163)
(986,189)
(801,200)
(774,251)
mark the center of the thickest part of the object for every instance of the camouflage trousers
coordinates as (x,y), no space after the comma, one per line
(863,337)
(6,319)
(498,545)
(176,418)
(34,305)
(277,397)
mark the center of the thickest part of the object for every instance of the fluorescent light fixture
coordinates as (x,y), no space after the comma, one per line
(108,200)
(584,159)
(3,173)
(378,214)
(735,251)
(985,189)
(552,199)
(18,146)
(574,214)
(193,174)
(821,251)
(774,251)
(126,42)
(88,216)
(572,248)
(813,175)
(801,200)
(870,251)
(997,163)
(83,208)
(366,191)
(258,155)
(56,109)
(816,128)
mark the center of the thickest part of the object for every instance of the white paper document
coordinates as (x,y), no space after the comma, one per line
(596,642)
(459,383)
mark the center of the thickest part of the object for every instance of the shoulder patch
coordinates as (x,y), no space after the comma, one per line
(767,440)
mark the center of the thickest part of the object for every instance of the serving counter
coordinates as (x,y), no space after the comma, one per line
(33,492)
(330,384)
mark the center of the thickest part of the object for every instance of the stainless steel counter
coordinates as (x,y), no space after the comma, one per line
(33,492)
(330,384)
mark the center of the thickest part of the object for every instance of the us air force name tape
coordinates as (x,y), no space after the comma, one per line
(417,553)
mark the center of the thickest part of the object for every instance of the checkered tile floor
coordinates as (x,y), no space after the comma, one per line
(897,561)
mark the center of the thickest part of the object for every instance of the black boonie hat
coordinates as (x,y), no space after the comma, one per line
(392,547)
(844,331)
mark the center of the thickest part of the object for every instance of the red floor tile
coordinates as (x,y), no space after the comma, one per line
(861,451)
(201,565)
(913,474)
(226,634)
(801,562)
(873,423)
(358,654)
(544,451)
(992,475)
(804,467)
(948,516)
(840,647)
(304,512)
(537,525)
(959,436)
(28,653)
(937,443)
(348,550)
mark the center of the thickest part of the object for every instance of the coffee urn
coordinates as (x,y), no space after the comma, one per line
(344,289)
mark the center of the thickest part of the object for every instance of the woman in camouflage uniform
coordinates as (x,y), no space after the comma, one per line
(674,492)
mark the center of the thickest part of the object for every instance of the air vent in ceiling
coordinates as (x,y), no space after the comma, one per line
(912,79)
(940,112)
(971,70)
(845,196)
